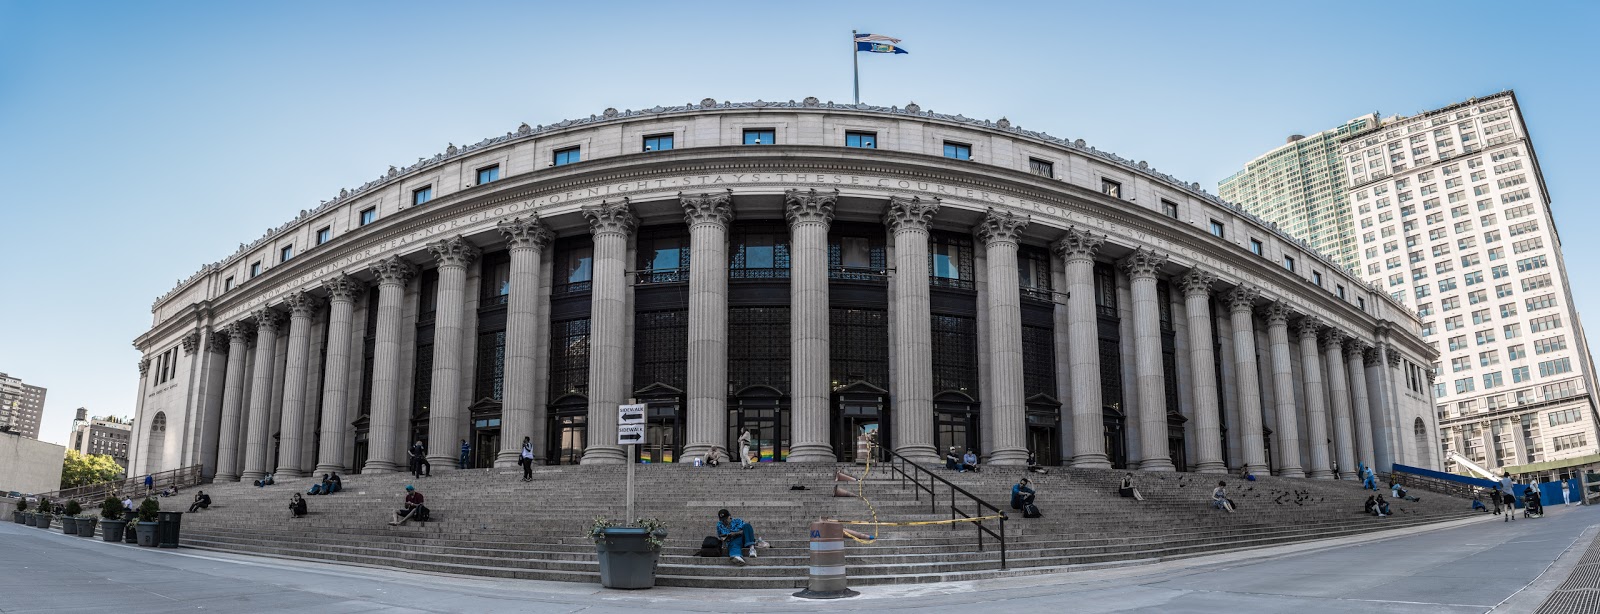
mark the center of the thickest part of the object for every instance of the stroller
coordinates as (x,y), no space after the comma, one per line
(1532,507)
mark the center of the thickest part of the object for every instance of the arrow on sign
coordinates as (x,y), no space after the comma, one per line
(631,437)
(632,417)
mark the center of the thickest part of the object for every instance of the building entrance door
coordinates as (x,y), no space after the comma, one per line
(860,409)
(664,429)
(485,442)
(764,412)
(955,424)
(1116,438)
(567,430)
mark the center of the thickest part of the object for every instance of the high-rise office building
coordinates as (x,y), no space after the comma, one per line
(1455,220)
(20,406)
(1301,186)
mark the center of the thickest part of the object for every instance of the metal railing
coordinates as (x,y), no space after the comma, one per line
(910,471)
(93,494)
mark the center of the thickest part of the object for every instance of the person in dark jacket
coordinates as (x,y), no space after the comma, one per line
(413,508)
(338,484)
(201,501)
(1128,490)
(1022,494)
(1510,502)
(419,461)
(297,506)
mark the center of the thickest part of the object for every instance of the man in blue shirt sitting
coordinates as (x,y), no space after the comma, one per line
(738,535)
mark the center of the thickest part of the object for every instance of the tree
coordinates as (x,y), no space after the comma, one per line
(84,469)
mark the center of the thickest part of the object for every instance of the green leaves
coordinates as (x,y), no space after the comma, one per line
(85,469)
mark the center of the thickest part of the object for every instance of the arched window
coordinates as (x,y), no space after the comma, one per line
(1420,430)
(159,423)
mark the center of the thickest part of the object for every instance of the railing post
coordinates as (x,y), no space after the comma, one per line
(1002,543)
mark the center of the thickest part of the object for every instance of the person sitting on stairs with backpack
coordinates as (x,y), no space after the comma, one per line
(1022,494)
(738,535)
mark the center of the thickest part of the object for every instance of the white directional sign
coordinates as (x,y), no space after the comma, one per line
(630,424)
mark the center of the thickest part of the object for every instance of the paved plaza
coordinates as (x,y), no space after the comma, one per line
(1473,566)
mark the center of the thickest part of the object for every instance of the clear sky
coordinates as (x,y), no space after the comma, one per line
(141,140)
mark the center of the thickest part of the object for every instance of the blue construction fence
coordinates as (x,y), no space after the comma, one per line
(1549,492)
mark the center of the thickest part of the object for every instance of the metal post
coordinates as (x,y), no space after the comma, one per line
(855,60)
(631,462)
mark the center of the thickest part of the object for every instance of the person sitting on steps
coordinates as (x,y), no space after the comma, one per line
(1022,494)
(338,484)
(297,506)
(1033,464)
(738,535)
(1219,498)
(952,461)
(1371,506)
(1477,503)
(201,501)
(716,456)
(1399,492)
(419,461)
(1127,490)
(414,509)
(1244,474)
(264,481)
(969,461)
(1383,507)
(325,487)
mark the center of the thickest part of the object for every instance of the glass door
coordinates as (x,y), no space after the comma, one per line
(1116,439)
(485,442)
(761,411)
(956,426)
(663,432)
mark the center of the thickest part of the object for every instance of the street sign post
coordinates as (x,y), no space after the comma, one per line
(630,431)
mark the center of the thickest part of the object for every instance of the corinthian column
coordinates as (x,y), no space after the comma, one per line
(708,216)
(259,439)
(1142,266)
(1006,416)
(232,401)
(1339,400)
(1202,360)
(342,293)
(301,307)
(527,240)
(1077,250)
(386,421)
(1316,414)
(610,224)
(912,415)
(444,406)
(1241,306)
(809,214)
(1354,350)
(1277,315)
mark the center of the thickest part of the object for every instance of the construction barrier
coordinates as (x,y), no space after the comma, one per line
(827,578)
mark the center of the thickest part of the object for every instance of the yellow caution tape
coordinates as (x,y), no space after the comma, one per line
(912,523)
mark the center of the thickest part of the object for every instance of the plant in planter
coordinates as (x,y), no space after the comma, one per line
(84,521)
(628,555)
(43,518)
(147,522)
(69,522)
(112,525)
(22,508)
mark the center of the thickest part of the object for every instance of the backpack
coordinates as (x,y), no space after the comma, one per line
(710,546)
(423,514)
(1030,511)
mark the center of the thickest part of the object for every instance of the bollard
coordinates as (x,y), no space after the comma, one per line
(827,577)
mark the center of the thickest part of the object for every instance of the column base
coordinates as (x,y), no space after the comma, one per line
(1211,467)
(224,478)
(443,463)
(1321,474)
(603,455)
(1009,458)
(1291,472)
(379,467)
(701,451)
(1157,464)
(812,453)
(1348,475)
(321,469)
(508,459)
(1259,469)
(1090,461)
(922,454)
(283,475)
(252,475)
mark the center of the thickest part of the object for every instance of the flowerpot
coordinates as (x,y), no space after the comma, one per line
(43,520)
(147,533)
(627,560)
(69,525)
(27,518)
(17,517)
(130,535)
(111,530)
(86,526)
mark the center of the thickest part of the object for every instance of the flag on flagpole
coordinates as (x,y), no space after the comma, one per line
(880,47)
(867,38)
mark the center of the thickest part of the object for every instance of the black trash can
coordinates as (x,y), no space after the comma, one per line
(167,524)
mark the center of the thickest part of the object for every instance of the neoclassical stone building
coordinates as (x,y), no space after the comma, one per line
(807,271)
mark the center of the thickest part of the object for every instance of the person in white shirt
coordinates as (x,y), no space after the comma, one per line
(1219,497)
(527,459)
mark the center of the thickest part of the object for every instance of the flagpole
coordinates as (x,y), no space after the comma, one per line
(855,60)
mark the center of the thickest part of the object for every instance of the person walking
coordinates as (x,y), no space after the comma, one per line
(527,459)
(744,449)
(1511,505)
(420,468)
(738,535)
(466,455)
(149,484)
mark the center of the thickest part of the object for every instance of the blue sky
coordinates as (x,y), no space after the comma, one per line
(140,140)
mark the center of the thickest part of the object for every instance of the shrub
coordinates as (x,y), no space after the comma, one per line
(148,510)
(44,505)
(22,505)
(111,509)
(73,508)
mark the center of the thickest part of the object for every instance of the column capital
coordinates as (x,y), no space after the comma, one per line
(809,206)
(456,251)
(1197,282)
(1242,298)
(1309,326)
(301,303)
(1370,356)
(1353,347)
(1277,312)
(1142,263)
(1391,356)
(191,342)
(267,319)
(1332,338)
(910,213)
(1001,226)
(342,287)
(394,270)
(1077,244)
(525,233)
(241,331)
(713,209)
(218,342)
(610,218)
(144,366)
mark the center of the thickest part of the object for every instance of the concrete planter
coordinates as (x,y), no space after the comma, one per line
(130,535)
(86,526)
(626,559)
(17,517)
(27,518)
(146,532)
(112,530)
(43,520)
(69,525)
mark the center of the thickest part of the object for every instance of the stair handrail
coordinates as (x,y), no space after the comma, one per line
(898,464)
(183,477)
